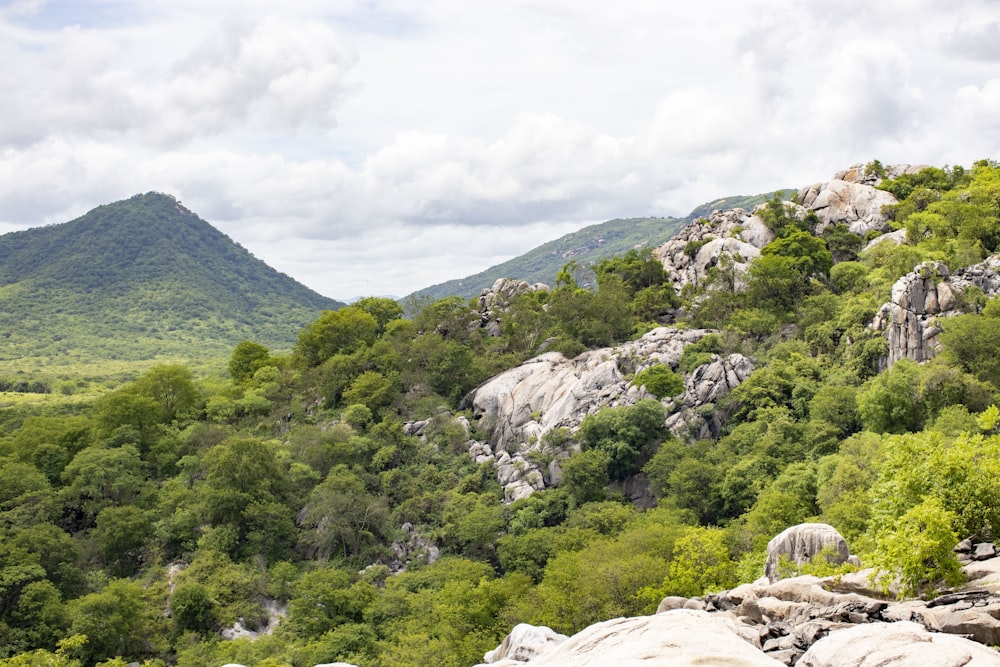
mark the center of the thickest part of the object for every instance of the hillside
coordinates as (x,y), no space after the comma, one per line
(142,278)
(809,388)
(587,246)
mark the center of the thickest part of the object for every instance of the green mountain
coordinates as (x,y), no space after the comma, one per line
(139,279)
(587,246)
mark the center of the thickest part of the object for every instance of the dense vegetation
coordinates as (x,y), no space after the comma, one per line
(587,246)
(142,523)
(140,279)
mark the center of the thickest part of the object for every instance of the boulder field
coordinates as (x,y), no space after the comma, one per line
(808,621)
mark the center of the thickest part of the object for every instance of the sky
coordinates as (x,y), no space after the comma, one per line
(370,147)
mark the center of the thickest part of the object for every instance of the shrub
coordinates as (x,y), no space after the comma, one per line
(660,381)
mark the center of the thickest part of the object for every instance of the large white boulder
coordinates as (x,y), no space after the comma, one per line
(857,205)
(518,407)
(676,638)
(905,644)
(524,643)
(801,543)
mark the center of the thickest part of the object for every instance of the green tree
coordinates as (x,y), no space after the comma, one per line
(172,388)
(244,490)
(890,402)
(628,434)
(120,536)
(371,389)
(585,476)
(100,478)
(335,332)
(775,282)
(341,516)
(383,310)
(972,341)
(809,253)
(192,608)
(325,599)
(57,553)
(918,549)
(660,381)
(246,359)
(117,621)
(701,563)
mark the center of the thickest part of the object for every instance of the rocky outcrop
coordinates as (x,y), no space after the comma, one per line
(921,298)
(799,544)
(682,637)
(698,247)
(519,407)
(411,549)
(897,237)
(861,173)
(494,301)
(852,199)
(789,617)
(524,643)
(856,205)
(325,664)
(905,644)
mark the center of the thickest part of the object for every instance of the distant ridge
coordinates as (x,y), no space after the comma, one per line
(142,278)
(587,246)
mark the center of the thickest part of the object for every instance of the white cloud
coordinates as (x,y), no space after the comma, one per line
(380,147)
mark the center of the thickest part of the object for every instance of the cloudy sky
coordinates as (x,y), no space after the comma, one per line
(377,147)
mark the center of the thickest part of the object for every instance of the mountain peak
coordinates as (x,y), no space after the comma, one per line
(148,268)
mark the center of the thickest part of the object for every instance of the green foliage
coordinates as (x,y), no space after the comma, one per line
(325,599)
(917,550)
(701,563)
(383,310)
(628,435)
(778,216)
(246,359)
(809,253)
(848,277)
(141,279)
(117,621)
(790,381)
(585,476)
(120,535)
(660,381)
(192,608)
(890,402)
(700,352)
(342,516)
(289,480)
(335,332)
(592,319)
(972,341)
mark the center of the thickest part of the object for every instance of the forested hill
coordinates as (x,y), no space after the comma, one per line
(149,275)
(588,246)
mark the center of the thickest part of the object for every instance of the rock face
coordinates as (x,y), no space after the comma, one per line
(790,618)
(852,199)
(856,205)
(921,297)
(524,643)
(494,301)
(517,408)
(677,638)
(904,644)
(698,247)
(800,543)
